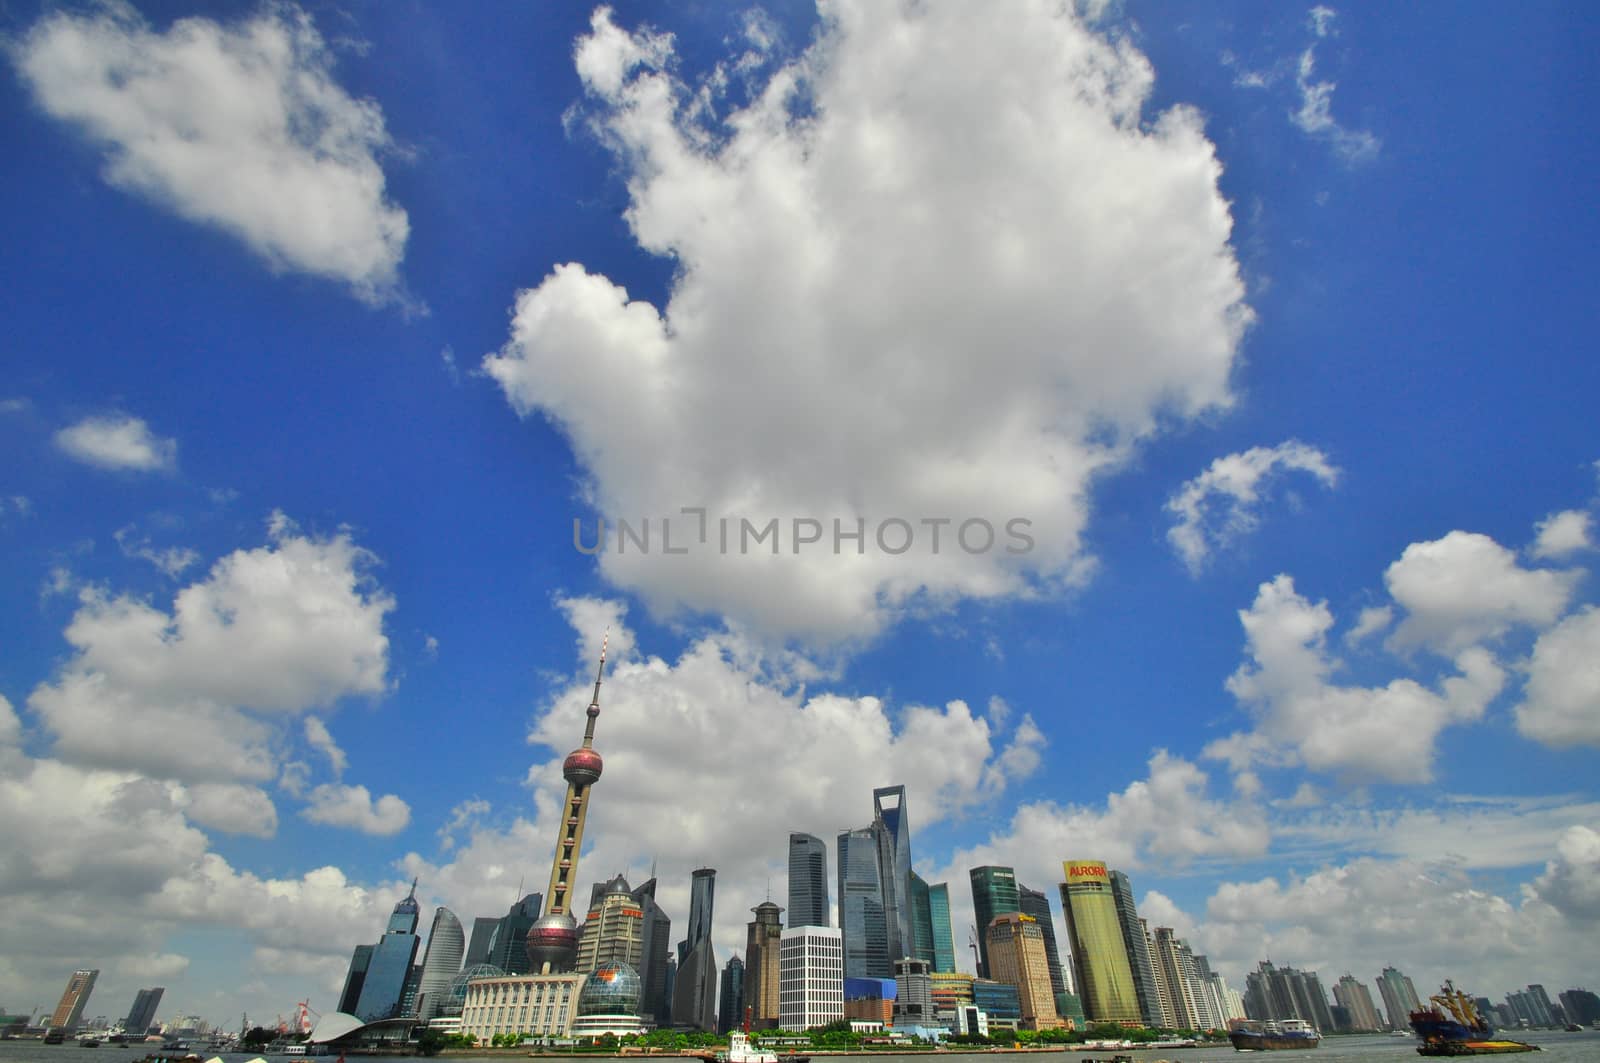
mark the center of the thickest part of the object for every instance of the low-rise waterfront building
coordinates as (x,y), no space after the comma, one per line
(531,1005)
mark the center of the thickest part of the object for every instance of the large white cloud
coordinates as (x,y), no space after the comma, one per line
(1359,733)
(1561,702)
(1219,505)
(238,126)
(1466,588)
(354,807)
(191,693)
(117,442)
(871,320)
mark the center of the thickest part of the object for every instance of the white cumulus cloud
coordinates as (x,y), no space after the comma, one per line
(239,126)
(1564,534)
(1561,701)
(118,442)
(870,321)
(353,807)
(1220,505)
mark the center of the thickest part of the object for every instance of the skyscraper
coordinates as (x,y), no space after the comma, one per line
(921,920)
(655,935)
(694,996)
(893,830)
(808,881)
(944,950)
(862,918)
(1133,940)
(441,963)
(483,928)
(383,989)
(994,892)
(763,937)
(143,1013)
(553,940)
(1036,904)
(508,943)
(1017,957)
(730,997)
(69,1012)
(354,977)
(1354,998)
(1102,975)
(811,976)
(1286,993)
(1180,989)
(613,930)
(1399,998)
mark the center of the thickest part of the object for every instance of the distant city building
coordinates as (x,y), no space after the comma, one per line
(538,1006)
(142,1015)
(999,1001)
(1176,977)
(913,998)
(1101,972)
(1581,1006)
(870,1000)
(655,935)
(994,892)
(808,881)
(383,989)
(69,1011)
(950,990)
(694,996)
(483,928)
(354,978)
(1017,957)
(1399,998)
(613,930)
(893,829)
(730,996)
(1140,962)
(944,951)
(811,977)
(669,986)
(921,920)
(1070,1008)
(508,944)
(863,919)
(1543,1008)
(441,963)
(763,938)
(1357,1000)
(1276,993)
(1036,904)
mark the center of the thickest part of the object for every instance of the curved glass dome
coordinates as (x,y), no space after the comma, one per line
(613,989)
(458,986)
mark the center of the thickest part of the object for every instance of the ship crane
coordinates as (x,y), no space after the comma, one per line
(304,1014)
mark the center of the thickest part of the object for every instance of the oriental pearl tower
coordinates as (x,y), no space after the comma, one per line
(553,939)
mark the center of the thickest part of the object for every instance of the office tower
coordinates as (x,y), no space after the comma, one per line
(1139,963)
(1277,993)
(1399,998)
(552,941)
(893,830)
(994,892)
(1580,1005)
(694,996)
(1180,987)
(808,881)
(1000,1001)
(360,960)
(1101,972)
(862,917)
(613,931)
(730,997)
(69,1012)
(1355,998)
(383,989)
(143,1013)
(655,935)
(810,977)
(483,928)
(1017,957)
(921,920)
(1036,904)
(944,946)
(913,997)
(1542,1008)
(440,964)
(508,944)
(763,939)
(1207,1009)
(1169,1014)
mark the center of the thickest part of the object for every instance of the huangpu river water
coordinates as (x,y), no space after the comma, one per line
(1557,1047)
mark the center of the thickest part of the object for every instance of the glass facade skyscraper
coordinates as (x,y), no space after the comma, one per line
(921,920)
(994,892)
(384,987)
(655,953)
(1036,904)
(944,948)
(441,963)
(808,881)
(1145,986)
(1103,977)
(730,996)
(143,1013)
(694,993)
(508,945)
(893,828)
(861,908)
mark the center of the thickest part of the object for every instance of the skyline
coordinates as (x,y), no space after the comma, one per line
(325,325)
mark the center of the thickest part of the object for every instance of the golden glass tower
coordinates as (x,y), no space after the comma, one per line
(1099,955)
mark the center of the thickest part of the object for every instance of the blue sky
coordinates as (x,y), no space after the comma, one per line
(1270,321)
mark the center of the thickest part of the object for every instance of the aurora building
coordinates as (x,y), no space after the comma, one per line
(1100,968)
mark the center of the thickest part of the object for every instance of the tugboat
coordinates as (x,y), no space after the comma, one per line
(1254,1036)
(1454,1027)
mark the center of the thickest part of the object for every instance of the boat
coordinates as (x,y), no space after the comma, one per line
(1573,1027)
(1271,1036)
(1453,1026)
(88,1042)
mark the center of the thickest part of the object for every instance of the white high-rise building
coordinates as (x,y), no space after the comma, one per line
(810,977)
(441,964)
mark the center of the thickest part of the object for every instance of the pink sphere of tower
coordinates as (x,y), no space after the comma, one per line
(582,767)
